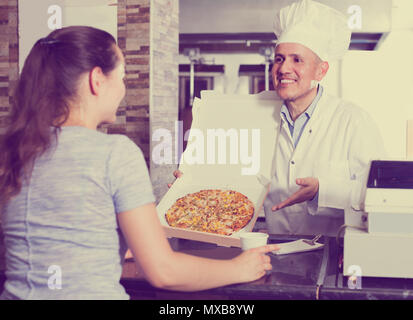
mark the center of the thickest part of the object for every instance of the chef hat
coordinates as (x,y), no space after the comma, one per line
(318,27)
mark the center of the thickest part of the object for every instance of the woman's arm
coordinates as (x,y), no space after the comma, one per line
(168,269)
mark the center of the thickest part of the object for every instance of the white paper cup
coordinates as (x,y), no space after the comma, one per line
(251,240)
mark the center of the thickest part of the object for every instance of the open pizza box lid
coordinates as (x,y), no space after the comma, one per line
(230,146)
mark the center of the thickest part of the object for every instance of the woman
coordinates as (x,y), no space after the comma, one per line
(71,194)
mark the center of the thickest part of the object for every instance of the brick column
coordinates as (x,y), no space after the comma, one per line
(9,53)
(148,34)
(164,81)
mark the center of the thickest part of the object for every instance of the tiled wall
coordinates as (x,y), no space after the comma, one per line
(164,81)
(133,39)
(148,34)
(9,53)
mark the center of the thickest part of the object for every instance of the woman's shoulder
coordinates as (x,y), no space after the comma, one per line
(96,138)
(91,143)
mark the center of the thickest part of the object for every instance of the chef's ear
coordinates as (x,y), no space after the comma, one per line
(322,69)
(96,80)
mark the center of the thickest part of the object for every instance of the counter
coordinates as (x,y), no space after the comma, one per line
(293,276)
(309,275)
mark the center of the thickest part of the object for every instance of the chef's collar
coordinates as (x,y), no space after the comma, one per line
(308,112)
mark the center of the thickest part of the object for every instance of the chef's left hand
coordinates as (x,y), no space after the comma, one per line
(308,190)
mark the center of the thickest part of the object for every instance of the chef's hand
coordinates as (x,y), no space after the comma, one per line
(252,264)
(308,190)
(177,175)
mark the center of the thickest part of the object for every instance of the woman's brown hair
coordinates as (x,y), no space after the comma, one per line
(48,84)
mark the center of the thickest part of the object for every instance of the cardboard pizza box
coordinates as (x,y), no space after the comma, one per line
(254,190)
(230,146)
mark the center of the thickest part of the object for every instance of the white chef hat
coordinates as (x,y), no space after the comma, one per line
(320,28)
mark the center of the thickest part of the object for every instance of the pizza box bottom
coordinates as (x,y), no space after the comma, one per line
(254,190)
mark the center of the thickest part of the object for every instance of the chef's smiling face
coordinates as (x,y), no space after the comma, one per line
(295,66)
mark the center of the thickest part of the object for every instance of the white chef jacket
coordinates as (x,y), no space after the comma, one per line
(336,146)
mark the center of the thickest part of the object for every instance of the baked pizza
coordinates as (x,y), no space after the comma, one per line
(216,211)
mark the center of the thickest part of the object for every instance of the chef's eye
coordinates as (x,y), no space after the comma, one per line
(297,60)
(278,59)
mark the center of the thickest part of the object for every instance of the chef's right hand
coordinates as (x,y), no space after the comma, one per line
(253,263)
(177,175)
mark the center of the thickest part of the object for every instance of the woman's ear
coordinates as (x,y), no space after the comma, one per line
(96,79)
(322,70)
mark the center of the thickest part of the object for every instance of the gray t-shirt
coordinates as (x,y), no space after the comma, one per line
(61,233)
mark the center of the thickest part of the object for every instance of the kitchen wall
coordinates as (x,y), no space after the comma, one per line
(235,16)
(38,18)
(410,139)
(382,83)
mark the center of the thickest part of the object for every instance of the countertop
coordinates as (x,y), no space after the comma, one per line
(294,276)
(309,275)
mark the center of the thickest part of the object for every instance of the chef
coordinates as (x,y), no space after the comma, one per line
(324,143)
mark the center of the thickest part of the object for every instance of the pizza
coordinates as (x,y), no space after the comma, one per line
(215,211)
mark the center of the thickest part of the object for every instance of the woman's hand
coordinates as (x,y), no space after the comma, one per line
(177,175)
(253,263)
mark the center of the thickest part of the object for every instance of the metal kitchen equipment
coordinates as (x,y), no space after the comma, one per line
(378,239)
(268,53)
(194,57)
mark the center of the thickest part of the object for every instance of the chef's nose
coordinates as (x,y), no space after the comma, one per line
(284,66)
(279,70)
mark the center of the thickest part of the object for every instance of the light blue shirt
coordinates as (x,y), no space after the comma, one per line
(61,233)
(297,127)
